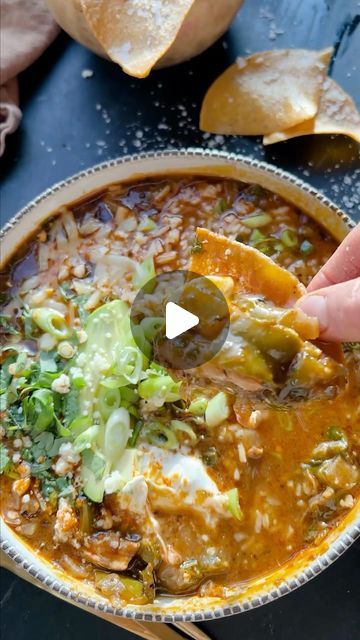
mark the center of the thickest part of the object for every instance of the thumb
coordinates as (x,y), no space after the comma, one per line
(338,310)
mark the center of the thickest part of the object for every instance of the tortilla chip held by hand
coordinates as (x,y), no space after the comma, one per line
(267,350)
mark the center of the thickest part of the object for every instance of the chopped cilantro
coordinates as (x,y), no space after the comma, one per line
(4,458)
(15,416)
(47,361)
(70,406)
(197,246)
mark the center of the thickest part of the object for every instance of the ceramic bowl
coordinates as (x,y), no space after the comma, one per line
(309,562)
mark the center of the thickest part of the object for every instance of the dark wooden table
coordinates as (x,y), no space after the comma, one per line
(71,122)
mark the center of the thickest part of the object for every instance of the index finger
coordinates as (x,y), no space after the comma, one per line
(343,265)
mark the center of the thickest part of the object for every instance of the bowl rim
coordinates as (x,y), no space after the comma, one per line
(347,534)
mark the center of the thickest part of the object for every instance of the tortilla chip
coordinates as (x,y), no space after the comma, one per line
(252,271)
(337,114)
(135,33)
(264,353)
(255,94)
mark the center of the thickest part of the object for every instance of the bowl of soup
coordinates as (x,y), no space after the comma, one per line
(124,488)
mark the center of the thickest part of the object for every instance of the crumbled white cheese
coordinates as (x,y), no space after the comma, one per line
(68,459)
(113,482)
(65,522)
(61,384)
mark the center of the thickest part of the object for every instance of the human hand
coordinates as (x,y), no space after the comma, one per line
(334,293)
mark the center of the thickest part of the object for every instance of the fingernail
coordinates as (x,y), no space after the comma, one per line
(316,306)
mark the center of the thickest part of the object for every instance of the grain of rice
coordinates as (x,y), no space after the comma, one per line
(43,257)
(258,521)
(93,301)
(173,237)
(160,231)
(36,299)
(64,272)
(160,195)
(79,271)
(242,453)
(174,221)
(128,224)
(155,248)
(51,303)
(266,521)
(239,536)
(165,258)
(121,214)
(30,283)
(89,225)
(298,489)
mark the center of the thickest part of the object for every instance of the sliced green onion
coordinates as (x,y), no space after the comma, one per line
(151,326)
(234,504)
(79,425)
(51,321)
(289,238)
(256,237)
(160,386)
(141,341)
(109,400)
(79,382)
(114,382)
(129,395)
(130,363)
(86,439)
(217,410)
(130,590)
(159,435)
(117,433)
(306,247)
(146,224)
(198,406)
(144,272)
(178,425)
(135,434)
(86,517)
(256,220)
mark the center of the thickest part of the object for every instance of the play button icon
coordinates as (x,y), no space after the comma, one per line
(180,319)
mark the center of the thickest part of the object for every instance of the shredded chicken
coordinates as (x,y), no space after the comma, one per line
(109,550)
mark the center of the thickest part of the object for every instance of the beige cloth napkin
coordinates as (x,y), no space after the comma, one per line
(26,30)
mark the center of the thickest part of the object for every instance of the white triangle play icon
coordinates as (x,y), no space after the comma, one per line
(178,320)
